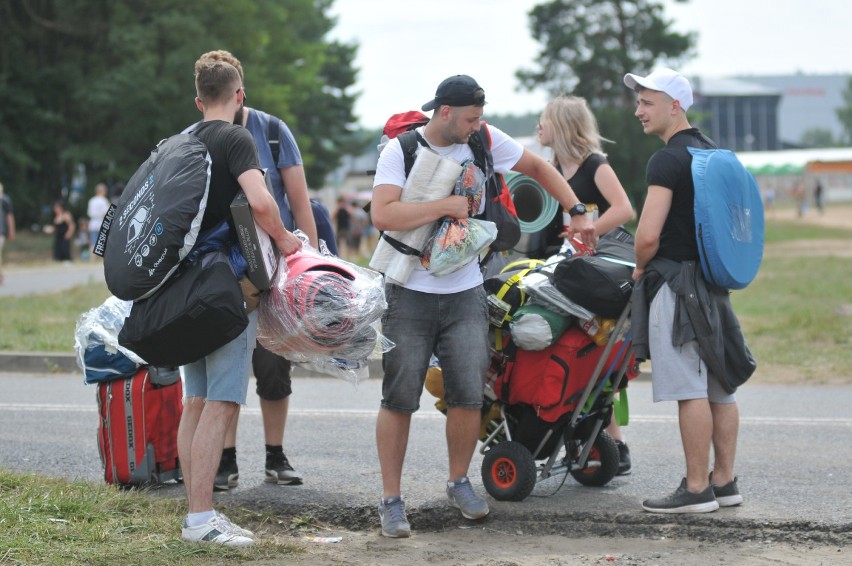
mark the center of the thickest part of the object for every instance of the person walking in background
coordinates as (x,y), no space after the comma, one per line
(63,231)
(272,372)
(343,224)
(7,225)
(445,314)
(570,130)
(819,197)
(96,209)
(667,275)
(216,385)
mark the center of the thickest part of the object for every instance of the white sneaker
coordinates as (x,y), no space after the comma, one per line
(234,528)
(215,530)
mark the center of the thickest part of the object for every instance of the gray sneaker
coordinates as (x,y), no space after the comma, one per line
(227,476)
(461,496)
(727,495)
(392,515)
(683,501)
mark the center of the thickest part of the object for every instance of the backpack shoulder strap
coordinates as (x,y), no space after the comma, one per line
(480,145)
(272,128)
(408,142)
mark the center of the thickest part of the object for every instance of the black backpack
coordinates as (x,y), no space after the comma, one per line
(156,223)
(601,283)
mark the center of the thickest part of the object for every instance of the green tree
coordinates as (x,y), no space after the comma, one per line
(587,48)
(844,113)
(818,137)
(100,82)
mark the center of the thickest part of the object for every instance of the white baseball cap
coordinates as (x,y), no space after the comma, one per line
(664,80)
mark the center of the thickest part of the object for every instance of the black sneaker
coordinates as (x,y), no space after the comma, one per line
(623,458)
(683,501)
(727,495)
(227,475)
(279,470)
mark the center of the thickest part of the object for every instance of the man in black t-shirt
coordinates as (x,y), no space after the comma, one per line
(217,385)
(666,244)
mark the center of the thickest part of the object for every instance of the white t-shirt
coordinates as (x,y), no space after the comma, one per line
(96,211)
(390,170)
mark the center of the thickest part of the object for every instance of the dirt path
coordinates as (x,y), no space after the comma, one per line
(836,216)
(489,547)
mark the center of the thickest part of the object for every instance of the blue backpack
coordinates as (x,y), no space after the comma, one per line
(729,223)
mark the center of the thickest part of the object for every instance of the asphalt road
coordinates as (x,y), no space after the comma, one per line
(794,461)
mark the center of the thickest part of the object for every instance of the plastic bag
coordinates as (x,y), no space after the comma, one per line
(456,243)
(99,355)
(325,312)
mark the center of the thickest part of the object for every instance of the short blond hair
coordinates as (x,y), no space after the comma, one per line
(215,81)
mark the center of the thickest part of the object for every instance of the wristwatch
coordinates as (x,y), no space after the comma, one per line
(577,209)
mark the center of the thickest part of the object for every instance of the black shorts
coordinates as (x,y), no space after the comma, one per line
(272,373)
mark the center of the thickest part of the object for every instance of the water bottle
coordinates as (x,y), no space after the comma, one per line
(598,329)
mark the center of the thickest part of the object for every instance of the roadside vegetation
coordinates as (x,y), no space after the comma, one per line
(56,523)
(797,314)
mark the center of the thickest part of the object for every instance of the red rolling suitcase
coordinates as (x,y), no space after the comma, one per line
(137,434)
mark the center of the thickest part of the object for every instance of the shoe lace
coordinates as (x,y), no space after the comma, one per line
(395,511)
(463,493)
(279,462)
(225,525)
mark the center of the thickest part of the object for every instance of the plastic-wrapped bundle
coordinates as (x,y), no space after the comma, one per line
(99,355)
(324,312)
(432,177)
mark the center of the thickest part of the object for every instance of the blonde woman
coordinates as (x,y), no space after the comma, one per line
(570,130)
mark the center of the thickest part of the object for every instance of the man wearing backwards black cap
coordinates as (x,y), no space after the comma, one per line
(445,314)
(666,251)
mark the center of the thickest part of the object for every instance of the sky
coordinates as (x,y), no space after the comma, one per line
(407,47)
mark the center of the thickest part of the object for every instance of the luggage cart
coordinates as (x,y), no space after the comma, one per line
(520,450)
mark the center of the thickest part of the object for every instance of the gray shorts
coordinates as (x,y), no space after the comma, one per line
(454,327)
(223,375)
(677,372)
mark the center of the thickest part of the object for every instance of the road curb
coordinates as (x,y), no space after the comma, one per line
(59,362)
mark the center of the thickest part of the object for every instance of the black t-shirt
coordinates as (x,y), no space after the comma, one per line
(233,152)
(671,168)
(583,185)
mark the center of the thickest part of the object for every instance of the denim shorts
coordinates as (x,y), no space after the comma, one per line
(677,372)
(223,375)
(453,326)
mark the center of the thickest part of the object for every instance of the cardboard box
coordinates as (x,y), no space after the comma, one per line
(255,243)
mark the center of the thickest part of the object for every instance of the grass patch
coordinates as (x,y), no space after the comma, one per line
(796,313)
(53,522)
(778,231)
(29,248)
(46,323)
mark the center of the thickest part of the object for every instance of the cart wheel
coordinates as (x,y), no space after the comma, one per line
(602,464)
(508,471)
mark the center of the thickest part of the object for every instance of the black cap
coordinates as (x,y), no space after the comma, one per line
(459,90)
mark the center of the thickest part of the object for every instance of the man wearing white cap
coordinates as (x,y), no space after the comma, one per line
(666,250)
